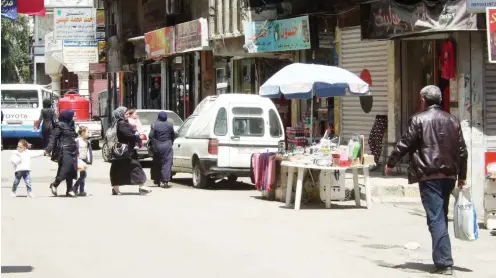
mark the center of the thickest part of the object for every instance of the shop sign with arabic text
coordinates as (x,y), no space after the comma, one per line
(387,18)
(159,43)
(191,35)
(278,35)
(75,24)
(9,9)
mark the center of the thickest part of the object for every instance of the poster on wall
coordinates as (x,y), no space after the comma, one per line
(491,34)
(75,24)
(479,6)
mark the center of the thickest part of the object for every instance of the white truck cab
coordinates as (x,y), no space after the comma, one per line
(218,140)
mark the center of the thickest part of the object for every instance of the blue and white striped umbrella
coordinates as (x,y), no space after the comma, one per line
(300,81)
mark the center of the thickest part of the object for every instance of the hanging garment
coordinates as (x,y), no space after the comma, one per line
(448,61)
(377,135)
(446,99)
(271,172)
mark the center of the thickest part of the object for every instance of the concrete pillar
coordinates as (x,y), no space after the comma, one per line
(83,83)
(56,82)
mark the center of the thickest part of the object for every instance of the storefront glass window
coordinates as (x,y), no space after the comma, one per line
(152,96)
(181,96)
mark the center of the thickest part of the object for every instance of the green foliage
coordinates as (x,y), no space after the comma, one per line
(16,60)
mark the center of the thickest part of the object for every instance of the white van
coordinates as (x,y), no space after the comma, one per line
(217,141)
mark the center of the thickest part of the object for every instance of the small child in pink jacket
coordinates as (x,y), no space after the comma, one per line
(133,120)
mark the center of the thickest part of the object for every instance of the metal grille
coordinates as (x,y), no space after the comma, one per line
(357,55)
(490,103)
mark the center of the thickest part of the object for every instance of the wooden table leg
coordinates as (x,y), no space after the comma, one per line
(368,189)
(289,186)
(299,188)
(356,186)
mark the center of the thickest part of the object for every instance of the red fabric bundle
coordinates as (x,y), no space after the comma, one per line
(448,61)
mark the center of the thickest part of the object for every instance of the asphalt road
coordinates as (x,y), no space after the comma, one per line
(226,232)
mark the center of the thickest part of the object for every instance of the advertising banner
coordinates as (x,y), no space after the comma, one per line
(159,43)
(191,35)
(76,52)
(102,57)
(491,34)
(386,19)
(75,24)
(100,18)
(278,35)
(9,9)
(97,68)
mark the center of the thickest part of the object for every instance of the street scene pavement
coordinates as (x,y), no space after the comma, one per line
(227,232)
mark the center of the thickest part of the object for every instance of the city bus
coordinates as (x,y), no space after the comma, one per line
(21,105)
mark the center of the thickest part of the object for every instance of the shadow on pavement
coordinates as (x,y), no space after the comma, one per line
(321,206)
(420,267)
(220,185)
(17,269)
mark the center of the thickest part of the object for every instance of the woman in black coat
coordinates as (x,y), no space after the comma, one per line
(126,171)
(47,121)
(161,139)
(63,141)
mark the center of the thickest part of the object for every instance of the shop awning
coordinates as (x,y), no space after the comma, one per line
(31,7)
(391,19)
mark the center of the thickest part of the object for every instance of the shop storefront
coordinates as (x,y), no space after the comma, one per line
(172,77)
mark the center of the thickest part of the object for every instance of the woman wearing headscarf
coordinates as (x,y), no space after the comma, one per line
(126,171)
(63,140)
(161,140)
(47,121)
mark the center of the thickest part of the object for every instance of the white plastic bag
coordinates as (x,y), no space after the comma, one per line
(465,218)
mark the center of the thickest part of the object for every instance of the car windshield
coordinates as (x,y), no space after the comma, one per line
(20,99)
(149,117)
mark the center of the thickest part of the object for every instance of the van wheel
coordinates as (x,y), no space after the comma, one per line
(106,152)
(232,178)
(199,179)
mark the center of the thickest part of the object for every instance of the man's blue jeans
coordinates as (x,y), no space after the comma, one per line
(435,195)
(26,175)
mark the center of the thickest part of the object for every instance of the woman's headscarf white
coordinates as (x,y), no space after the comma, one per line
(119,114)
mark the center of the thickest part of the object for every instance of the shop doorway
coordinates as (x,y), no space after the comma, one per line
(422,64)
(152,86)
(181,85)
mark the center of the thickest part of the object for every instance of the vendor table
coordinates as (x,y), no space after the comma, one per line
(292,166)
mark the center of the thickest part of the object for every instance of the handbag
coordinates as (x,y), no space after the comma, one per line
(55,155)
(120,151)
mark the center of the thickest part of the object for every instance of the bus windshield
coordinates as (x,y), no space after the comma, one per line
(20,98)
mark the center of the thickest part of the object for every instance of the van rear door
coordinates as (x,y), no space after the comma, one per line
(250,133)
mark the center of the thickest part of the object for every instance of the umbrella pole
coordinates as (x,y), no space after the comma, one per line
(311,119)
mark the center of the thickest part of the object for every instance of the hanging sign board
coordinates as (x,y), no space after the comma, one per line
(76,52)
(491,34)
(68,3)
(9,9)
(191,35)
(75,24)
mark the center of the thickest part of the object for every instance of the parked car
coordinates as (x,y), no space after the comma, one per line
(146,117)
(218,140)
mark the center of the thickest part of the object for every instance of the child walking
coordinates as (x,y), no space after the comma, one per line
(132,118)
(85,158)
(21,160)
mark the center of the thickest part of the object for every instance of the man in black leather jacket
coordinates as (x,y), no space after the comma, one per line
(438,158)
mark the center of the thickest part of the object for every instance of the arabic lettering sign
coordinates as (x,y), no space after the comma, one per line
(385,19)
(76,52)
(75,24)
(9,9)
(491,34)
(68,3)
(97,68)
(479,6)
(159,43)
(192,35)
(278,35)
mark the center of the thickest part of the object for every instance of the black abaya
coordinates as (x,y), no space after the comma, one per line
(127,171)
(162,137)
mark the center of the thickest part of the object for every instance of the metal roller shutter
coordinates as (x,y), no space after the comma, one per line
(357,55)
(490,103)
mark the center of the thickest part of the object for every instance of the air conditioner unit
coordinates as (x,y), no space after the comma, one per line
(172,7)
